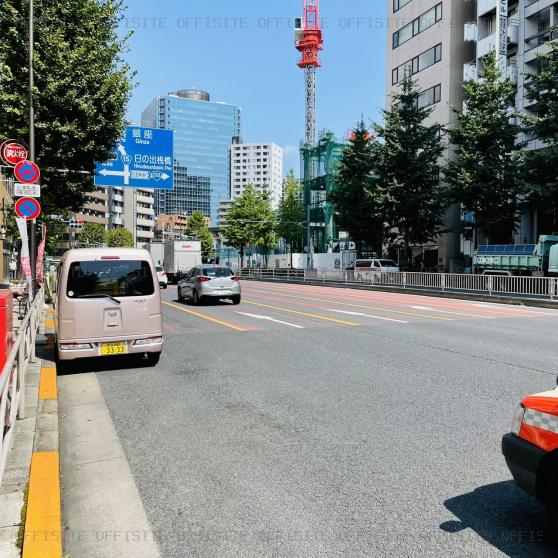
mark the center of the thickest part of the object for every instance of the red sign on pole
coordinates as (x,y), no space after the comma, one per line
(27,172)
(27,208)
(13,152)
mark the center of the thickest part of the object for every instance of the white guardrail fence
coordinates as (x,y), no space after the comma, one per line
(545,288)
(12,377)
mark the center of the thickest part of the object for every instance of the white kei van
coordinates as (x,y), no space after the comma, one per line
(107,303)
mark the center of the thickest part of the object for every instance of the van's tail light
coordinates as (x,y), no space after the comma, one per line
(75,346)
(204,279)
(163,274)
(148,341)
(235,277)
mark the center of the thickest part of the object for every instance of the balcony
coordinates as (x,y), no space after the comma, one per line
(141,222)
(485,45)
(471,32)
(470,71)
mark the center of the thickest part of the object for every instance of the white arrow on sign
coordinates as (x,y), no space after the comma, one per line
(270,319)
(125,173)
(365,315)
(428,309)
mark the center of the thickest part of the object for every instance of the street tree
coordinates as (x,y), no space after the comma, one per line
(408,185)
(539,169)
(482,173)
(291,219)
(248,221)
(92,235)
(82,86)
(266,234)
(197,228)
(358,208)
(119,238)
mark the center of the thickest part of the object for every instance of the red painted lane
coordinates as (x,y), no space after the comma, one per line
(397,299)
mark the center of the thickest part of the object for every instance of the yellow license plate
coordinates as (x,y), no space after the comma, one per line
(108,349)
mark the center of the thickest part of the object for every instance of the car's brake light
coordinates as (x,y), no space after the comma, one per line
(235,278)
(204,279)
(163,274)
(110,257)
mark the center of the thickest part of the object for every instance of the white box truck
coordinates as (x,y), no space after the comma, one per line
(180,257)
(157,251)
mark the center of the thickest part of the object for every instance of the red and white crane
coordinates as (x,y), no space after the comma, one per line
(309,42)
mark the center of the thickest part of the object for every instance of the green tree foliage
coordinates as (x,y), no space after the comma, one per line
(250,221)
(82,87)
(119,238)
(540,166)
(408,186)
(266,236)
(358,208)
(91,235)
(291,217)
(482,175)
(197,228)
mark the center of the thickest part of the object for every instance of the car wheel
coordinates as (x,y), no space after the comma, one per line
(153,358)
(165,285)
(196,298)
(180,295)
(236,299)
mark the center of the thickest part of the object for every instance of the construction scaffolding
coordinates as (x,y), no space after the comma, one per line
(318,169)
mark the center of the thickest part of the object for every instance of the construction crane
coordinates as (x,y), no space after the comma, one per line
(309,42)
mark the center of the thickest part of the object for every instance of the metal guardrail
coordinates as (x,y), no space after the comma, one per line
(12,377)
(545,288)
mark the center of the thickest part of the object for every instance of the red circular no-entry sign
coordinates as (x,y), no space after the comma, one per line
(27,172)
(27,208)
(12,152)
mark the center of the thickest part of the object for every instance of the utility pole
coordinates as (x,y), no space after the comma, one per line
(32,238)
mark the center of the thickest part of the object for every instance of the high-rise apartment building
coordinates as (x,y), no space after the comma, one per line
(203,133)
(259,164)
(518,30)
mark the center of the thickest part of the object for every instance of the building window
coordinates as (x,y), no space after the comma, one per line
(398,4)
(417,64)
(430,96)
(418,25)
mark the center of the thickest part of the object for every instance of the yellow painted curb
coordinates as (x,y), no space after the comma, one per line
(47,384)
(43,522)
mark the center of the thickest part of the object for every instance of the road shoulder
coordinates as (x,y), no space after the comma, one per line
(103,514)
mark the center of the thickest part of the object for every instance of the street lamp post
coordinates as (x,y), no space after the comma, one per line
(32,239)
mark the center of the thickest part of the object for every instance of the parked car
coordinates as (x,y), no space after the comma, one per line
(162,276)
(107,304)
(381,265)
(531,449)
(206,282)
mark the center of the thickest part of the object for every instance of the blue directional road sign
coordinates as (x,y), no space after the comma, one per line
(143,159)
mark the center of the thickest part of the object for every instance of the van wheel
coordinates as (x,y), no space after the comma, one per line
(153,358)
(236,299)
(196,298)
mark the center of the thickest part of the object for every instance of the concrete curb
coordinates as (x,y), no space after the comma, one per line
(515,301)
(43,521)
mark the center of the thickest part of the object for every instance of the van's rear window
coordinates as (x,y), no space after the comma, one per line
(111,277)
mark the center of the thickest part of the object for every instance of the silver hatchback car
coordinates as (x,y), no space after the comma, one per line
(209,282)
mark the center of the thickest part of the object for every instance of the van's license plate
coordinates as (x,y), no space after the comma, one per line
(108,349)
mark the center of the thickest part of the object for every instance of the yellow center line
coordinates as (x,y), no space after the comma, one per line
(316,316)
(205,317)
(379,308)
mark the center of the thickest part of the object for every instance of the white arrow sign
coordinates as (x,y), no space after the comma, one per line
(269,319)
(366,315)
(427,309)
(125,173)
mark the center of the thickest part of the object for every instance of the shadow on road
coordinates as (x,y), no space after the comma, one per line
(506,518)
(103,364)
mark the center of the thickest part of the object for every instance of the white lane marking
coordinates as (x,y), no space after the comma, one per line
(428,309)
(365,315)
(270,319)
(512,308)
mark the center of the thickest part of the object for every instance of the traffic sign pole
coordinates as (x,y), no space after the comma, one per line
(32,232)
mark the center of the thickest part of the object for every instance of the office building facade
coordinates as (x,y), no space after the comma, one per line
(426,39)
(259,164)
(203,133)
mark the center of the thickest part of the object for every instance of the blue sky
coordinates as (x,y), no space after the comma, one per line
(243,53)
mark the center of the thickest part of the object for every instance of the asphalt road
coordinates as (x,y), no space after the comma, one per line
(312,421)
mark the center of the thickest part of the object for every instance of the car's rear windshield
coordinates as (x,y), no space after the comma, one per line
(110,277)
(364,263)
(159,268)
(387,263)
(217,272)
